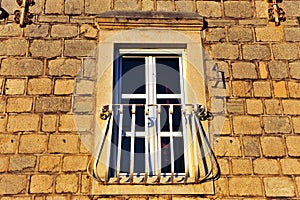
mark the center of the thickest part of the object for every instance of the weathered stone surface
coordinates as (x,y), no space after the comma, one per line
(263,72)
(292,8)
(125,5)
(53,18)
(261,8)
(293,143)
(64,67)
(268,144)
(296,124)
(54,6)
(241,166)
(164,6)
(13,47)
(66,183)
(262,89)
(277,125)
(246,125)
(256,52)
(64,31)
(294,70)
(84,87)
(75,163)
(50,163)
(254,106)
(63,144)
(21,67)
(241,88)
(290,166)
(269,34)
(294,89)
(41,184)
(53,104)
(19,104)
(15,86)
(64,86)
(69,123)
(39,86)
(291,34)
(27,141)
(185,6)
(8,143)
(245,186)
(45,48)
(209,8)
(251,146)
(278,69)
(49,123)
(215,35)
(88,31)
(74,7)
(290,51)
(22,163)
(279,187)
(83,104)
(37,30)
(13,184)
(23,122)
(244,70)
(227,146)
(238,9)
(9,30)
(279,89)
(92,6)
(238,34)
(4,161)
(235,106)
(80,48)
(291,107)
(266,166)
(225,51)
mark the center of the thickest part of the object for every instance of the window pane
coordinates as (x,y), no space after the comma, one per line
(167,76)
(164,116)
(139,115)
(133,76)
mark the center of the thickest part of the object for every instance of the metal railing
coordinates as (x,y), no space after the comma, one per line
(199,162)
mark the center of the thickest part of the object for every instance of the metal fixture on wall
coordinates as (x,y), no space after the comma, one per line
(23,16)
(276,14)
(3,13)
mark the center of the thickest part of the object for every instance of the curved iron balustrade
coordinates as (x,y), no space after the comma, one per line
(200,163)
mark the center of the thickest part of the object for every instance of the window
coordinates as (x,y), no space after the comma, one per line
(149,85)
(153,135)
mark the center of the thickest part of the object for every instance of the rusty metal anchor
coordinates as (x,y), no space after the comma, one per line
(23,16)
(276,14)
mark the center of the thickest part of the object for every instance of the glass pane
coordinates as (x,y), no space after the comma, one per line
(167,76)
(139,156)
(133,76)
(165,155)
(164,116)
(179,155)
(139,115)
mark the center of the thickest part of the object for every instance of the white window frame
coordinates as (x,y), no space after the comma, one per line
(150,95)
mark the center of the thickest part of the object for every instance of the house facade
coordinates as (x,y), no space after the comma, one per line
(149,99)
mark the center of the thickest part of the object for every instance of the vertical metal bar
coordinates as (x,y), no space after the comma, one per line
(171,141)
(119,142)
(109,135)
(158,150)
(146,144)
(185,142)
(133,110)
(194,132)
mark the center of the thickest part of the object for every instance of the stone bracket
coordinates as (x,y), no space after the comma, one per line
(150,19)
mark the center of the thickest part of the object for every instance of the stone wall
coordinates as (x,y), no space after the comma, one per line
(42,157)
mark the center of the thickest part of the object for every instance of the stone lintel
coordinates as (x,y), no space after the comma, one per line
(150,19)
